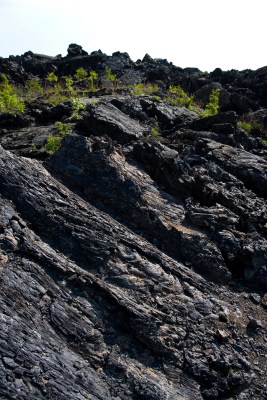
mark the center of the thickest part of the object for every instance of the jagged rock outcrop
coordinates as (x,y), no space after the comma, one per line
(133,266)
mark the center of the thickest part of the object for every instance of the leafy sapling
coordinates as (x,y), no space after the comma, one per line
(54,141)
(212,108)
(9,100)
(80,74)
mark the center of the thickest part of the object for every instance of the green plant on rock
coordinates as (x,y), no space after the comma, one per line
(155,132)
(80,74)
(63,129)
(110,76)
(51,78)
(178,97)
(212,108)
(9,100)
(54,141)
(69,85)
(56,94)
(245,125)
(77,106)
(144,89)
(91,80)
(33,147)
(33,88)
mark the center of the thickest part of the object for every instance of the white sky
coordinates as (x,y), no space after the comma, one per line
(191,33)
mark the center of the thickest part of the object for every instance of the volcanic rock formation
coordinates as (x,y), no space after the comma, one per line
(134,266)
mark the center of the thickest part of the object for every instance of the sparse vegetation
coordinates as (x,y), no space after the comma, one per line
(80,74)
(110,76)
(51,78)
(245,125)
(178,97)
(33,88)
(212,108)
(144,88)
(91,80)
(77,107)
(155,132)
(63,129)
(54,141)
(9,99)
(69,84)
(250,126)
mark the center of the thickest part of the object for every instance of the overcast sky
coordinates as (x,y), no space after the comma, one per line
(229,34)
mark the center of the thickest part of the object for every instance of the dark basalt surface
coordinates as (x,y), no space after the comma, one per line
(134,266)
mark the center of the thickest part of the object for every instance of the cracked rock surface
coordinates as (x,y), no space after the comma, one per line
(133,267)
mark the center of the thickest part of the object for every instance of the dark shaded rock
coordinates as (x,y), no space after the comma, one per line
(28,142)
(10,120)
(148,59)
(47,113)
(249,168)
(254,324)
(76,50)
(145,109)
(202,95)
(224,129)
(242,104)
(133,265)
(207,123)
(106,119)
(89,303)
(136,200)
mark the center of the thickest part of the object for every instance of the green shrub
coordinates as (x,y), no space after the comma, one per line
(91,80)
(33,88)
(53,141)
(212,108)
(178,97)
(111,77)
(144,88)
(77,106)
(80,74)
(51,77)
(9,100)
(155,132)
(63,129)
(245,125)
(69,85)
(56,94)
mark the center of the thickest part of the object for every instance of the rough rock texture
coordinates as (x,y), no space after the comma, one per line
(133,266)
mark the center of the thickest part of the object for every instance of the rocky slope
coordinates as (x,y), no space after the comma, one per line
(134,266)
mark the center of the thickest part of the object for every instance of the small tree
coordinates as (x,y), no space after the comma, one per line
(80,74)
(51,77)
(9,100)
(34,88)
(91,80)
(212,108)
(111,77)
(69,84)
(54,142)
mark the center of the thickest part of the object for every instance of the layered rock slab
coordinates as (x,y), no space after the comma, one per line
(121,318)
